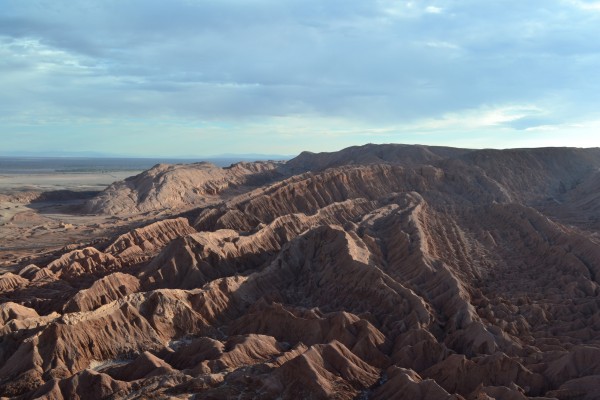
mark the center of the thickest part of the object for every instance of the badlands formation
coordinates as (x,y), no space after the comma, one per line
(377,272)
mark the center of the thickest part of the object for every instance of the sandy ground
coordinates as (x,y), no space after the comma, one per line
(29,230)
(10,183)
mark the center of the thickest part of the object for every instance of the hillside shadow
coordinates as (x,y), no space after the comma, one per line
(61,201)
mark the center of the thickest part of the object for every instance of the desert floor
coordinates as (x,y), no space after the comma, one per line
(31,227)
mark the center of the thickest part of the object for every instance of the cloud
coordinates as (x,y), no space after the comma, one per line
(367,65)
(433,9)
(586,5)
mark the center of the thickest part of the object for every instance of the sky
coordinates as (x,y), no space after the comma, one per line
(207,77)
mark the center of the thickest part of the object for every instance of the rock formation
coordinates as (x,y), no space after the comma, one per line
(378,272)
(177,186)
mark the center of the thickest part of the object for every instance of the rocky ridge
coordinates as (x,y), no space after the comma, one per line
(403,273)
(170,187)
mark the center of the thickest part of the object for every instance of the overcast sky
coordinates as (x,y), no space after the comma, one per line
(194,77)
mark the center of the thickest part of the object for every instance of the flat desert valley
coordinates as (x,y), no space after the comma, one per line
(375,272)
(38,211)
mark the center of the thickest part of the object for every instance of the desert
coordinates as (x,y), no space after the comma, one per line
(300,200)
(374,272)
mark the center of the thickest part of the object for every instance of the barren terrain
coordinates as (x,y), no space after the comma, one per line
(376,272)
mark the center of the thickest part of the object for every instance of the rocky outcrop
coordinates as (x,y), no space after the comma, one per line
(142,243)
(82,262)
(10,281)
(144,366)
(87,384)
(12,311)
(322,372)
(119,329)
(309,193)
(373,154)
(586,388)
(29,271)
(103,291)
(403,384)
(176,186)
(198,258)
(291,325)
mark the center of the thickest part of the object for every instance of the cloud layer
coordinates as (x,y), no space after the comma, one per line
(207,76)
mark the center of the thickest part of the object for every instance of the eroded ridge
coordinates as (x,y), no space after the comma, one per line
(402,273)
